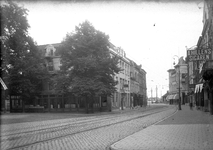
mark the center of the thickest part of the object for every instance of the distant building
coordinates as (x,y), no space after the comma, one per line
(131,82)
(134,83)
(174,81)
(138,87)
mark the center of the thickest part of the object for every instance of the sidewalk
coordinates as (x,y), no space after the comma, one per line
(185,130)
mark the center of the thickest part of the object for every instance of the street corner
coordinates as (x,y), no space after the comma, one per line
(121,144)
(134,141)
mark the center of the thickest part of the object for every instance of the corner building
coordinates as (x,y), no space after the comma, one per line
(121,98)
(201,68)
(50,100)
(176,80)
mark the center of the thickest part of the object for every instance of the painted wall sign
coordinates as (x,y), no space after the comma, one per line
(199,57)
(199,54)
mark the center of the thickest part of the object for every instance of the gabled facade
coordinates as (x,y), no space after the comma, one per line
(178,78)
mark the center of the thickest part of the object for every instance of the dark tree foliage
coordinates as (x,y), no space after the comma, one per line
(21,63)
(87,67)
(208,77)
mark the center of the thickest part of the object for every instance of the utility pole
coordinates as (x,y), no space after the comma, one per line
(178,65)
(179,87)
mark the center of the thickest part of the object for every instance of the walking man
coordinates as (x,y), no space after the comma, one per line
(191,102)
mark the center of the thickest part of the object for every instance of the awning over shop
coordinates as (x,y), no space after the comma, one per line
(198,87)
(168,97)
(176,96)
(172,96)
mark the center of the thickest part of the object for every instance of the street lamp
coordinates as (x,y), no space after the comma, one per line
(178,82)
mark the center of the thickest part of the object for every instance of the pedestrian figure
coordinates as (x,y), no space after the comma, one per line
(191,103)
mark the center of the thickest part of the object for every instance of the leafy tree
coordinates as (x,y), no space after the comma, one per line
(20,59)
(87,67)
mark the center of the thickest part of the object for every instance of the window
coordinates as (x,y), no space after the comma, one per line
(50,66)
(51,52)
(183,76)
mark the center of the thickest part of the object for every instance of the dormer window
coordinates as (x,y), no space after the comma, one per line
(50,50)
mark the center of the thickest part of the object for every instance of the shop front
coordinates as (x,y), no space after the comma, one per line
(172,98)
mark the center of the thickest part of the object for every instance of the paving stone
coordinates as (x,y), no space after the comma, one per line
(99,138)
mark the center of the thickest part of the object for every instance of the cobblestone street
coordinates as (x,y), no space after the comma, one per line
(95,132)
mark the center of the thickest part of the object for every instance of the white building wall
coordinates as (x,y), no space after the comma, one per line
(123,77)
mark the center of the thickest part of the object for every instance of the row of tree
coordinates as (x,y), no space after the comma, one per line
(87,67)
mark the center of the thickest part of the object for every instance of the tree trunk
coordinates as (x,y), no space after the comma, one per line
(122,99)
(86,104)
(92,103)
(63,102)
(10,103)
(100,103)
(109,104)
(70,101)
(48,98)
(77,103)
(23,105)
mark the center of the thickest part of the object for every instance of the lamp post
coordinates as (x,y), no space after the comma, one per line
(179,103)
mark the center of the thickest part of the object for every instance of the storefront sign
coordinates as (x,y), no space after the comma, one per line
(199,57)
(199,54)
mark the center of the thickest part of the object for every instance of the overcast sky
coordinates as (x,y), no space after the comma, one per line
(150,33)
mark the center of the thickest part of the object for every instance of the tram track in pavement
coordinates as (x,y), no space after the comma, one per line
(68,130)
(65,123)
